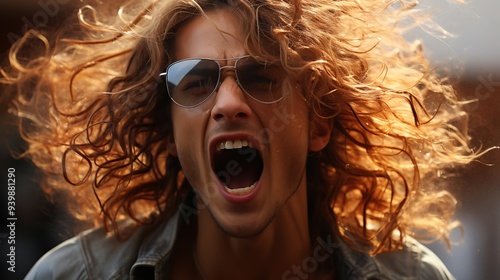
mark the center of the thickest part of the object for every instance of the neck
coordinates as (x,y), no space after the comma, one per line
(283,244)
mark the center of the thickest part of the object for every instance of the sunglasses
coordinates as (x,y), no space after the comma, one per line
(190,82)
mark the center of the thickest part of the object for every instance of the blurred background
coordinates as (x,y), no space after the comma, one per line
(471,55)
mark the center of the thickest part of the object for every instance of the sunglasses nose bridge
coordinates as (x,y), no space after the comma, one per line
(223,71)
(227,66)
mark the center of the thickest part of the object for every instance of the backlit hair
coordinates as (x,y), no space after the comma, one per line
(97,117)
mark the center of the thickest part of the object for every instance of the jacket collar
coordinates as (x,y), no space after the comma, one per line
(154,253)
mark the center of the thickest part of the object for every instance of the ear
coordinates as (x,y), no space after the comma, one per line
(319,134)
(171,147)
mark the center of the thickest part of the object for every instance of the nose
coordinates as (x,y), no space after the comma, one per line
(230,102)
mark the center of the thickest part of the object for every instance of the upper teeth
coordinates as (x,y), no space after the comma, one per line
(236,144)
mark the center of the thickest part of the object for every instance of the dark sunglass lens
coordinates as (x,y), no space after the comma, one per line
(261,81)
(192,81)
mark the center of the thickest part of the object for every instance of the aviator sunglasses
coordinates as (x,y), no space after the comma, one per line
(190,82)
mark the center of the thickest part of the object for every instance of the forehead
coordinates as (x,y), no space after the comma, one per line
(216,35)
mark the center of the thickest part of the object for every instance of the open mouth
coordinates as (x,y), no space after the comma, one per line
(238,165)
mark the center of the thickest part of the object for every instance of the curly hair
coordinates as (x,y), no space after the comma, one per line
(97,118)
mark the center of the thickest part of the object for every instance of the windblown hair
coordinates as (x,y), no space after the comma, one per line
(97,117)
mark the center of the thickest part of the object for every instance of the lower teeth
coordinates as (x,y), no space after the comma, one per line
(240,191)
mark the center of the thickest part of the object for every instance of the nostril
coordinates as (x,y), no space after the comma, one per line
(241,115)
(218,117)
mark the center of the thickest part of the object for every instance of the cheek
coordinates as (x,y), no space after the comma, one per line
(186,127)
(289,124)
(292,145)
(188,137)
(190,157)
(289,137)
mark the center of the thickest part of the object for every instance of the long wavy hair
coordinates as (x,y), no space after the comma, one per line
(97,118)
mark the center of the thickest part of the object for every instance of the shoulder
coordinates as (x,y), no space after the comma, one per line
(431,267)
(414,260)
(90,255)
(62,262)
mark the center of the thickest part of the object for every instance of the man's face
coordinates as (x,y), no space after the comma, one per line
(244,159)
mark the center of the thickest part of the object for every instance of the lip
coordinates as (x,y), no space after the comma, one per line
(212,147)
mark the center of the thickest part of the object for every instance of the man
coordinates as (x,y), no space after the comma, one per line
(245,140)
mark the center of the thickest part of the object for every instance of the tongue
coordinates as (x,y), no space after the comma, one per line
(236,171)
(244,176)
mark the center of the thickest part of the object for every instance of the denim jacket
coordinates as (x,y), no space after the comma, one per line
(146,254)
